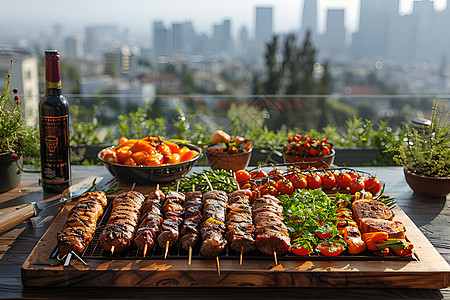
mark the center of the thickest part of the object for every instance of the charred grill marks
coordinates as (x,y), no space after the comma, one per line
(81,223)
(121,227)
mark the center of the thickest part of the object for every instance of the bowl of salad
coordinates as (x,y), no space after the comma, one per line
(306,152)
(226,153)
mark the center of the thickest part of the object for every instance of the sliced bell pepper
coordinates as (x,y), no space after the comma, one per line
(406,251)
(373,238)
(142,145)
(352,237)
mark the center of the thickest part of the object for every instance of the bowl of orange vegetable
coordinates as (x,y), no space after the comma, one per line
(149,160)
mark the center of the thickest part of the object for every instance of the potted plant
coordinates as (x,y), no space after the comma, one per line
(425,154)
(16,138)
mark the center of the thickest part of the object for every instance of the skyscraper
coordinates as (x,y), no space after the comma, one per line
(334,39)
(159,38)
(309,19)
(263,25)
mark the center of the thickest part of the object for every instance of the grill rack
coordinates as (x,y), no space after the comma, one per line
(95,251)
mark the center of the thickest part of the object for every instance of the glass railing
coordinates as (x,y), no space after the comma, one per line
(370,121)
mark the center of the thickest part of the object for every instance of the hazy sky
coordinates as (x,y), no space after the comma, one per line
(137,15)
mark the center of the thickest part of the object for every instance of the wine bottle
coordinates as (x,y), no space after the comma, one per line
(54,129)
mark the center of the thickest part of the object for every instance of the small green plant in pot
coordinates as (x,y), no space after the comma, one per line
(16,138)
(426,154)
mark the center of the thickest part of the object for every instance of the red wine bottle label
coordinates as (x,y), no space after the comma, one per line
(55,149)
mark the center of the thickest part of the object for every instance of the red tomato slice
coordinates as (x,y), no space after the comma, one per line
(330,248)
(300,251)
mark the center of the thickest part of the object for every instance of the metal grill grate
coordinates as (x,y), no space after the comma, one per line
(95,251)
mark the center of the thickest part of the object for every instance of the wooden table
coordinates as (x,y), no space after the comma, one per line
(431,216)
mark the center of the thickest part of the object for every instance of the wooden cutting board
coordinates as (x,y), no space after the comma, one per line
(431,271)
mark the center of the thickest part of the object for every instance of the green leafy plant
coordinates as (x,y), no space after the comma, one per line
(84,132)
(15,136)
(427,152)
(140,123)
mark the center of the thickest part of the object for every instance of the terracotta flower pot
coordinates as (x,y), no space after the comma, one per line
(225,161)
(9,175)
(310,162)
(436,187)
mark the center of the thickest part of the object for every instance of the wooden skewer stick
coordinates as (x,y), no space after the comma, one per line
(209,182)
(133,186)
(241,255)
(235,180)
(144,252)
(190,256)
(167,249)
(218,265)
(112,249)
(275,257)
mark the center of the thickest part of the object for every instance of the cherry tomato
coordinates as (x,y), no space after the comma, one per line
(268,189)
(164,149)
(154,159)
(356,185)
(343,180)
(328,180)
(110,156)
(273,174)
(299,181)
(242,176)
(313,180)
(123,154)
(301,250)
(129,162)
(122,140)
(372,185)
(139,157)
(284,186)
(329,248)
(173,158)
(258,174)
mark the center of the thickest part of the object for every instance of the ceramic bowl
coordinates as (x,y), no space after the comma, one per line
(151,174)
(436,187)
(311,162)
(225,161)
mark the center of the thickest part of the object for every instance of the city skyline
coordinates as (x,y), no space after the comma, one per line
(22,15)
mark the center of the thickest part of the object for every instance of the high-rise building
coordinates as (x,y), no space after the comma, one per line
(263,25)
(309,19)
(333,41)
(160,36)
(73,47)
(222,37)
(375,23)
(25,77)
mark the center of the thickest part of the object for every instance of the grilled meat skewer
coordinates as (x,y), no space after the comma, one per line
(240,228)
(192,220)
(150,221)
(173,216)
(121,227)
(213,226)
(81,223)
(271,234)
